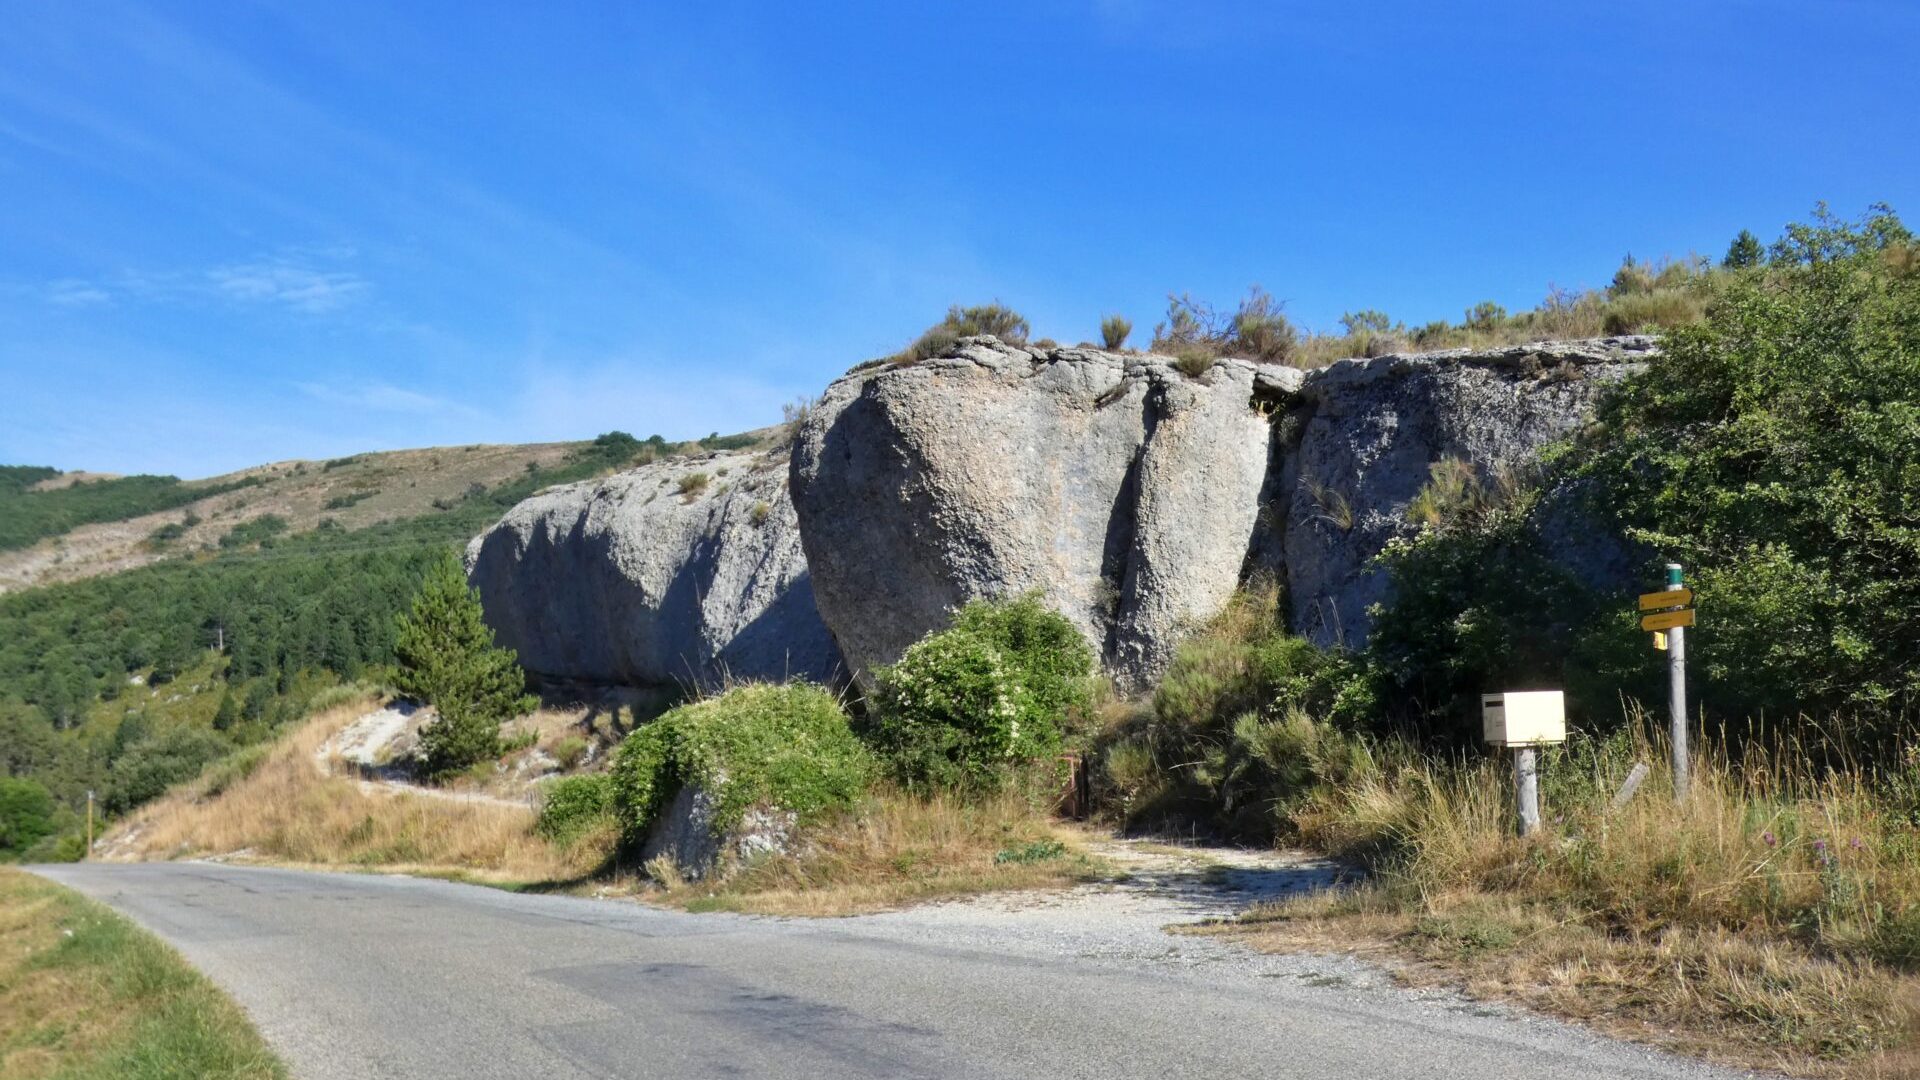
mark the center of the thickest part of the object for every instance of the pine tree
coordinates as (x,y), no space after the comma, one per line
(1745,251)
(448,659)
(228,713)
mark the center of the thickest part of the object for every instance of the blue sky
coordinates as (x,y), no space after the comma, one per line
(240,232)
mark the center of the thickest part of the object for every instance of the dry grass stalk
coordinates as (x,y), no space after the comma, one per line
(1769,921)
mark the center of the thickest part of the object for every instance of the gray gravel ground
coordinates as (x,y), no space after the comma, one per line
(361,976)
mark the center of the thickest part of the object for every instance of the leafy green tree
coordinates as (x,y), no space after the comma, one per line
(1744,252)
(1775,450)
(447,658)
(26,814)
(151,766)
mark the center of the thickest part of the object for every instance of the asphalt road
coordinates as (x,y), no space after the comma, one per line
(361,976)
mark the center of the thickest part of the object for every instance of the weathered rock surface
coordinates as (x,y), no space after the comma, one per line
(684,833)
(627,580)
(1134,498)
(1361,438)
(1121,490)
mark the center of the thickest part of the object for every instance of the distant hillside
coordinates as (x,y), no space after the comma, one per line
(65,526)
(237,608)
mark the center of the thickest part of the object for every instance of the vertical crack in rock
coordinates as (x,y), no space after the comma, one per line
(1072,473)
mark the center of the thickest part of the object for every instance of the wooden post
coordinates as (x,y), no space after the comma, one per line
(1526,788)
(1634,780)
(1677,697)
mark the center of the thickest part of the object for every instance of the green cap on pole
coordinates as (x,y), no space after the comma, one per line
(1673,575)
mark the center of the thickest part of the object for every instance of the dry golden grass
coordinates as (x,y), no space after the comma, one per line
(897,849)
(292,808)
(86,994)
(1768,921)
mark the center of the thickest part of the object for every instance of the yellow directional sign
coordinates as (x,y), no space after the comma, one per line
(1654,601)
(1667,620)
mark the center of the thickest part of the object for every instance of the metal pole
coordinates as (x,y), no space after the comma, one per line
(1677,697)
(89,851)
(1526,788)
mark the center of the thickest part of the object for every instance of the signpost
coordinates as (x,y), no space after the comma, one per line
(1672,614)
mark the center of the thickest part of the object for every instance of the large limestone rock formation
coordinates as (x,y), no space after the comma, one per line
(1120,489)
(1361,437)
(629,580)
(1133,497)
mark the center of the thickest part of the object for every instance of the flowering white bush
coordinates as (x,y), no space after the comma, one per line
(988,692)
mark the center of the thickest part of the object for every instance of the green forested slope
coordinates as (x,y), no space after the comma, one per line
(124,683)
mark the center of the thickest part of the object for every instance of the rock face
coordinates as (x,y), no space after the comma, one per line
(629,579)
(1132,496)
(1362,436)
(1121,490)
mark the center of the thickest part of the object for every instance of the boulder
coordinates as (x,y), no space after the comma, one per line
(684,834)
(1360,438)
(1122,491)
(629,579)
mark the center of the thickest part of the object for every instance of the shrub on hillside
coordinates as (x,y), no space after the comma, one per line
(148,767)
(1227,743)
(787,746)
(573,806)
(1114,331)
(26,815)
(260,530)
(447,658)
(990,691)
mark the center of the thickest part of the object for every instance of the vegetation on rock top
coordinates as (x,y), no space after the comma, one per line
(785,746)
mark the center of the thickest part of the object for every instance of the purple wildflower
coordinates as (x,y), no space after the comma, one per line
(1768,837)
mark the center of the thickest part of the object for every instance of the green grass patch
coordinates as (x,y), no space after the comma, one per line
(86,994)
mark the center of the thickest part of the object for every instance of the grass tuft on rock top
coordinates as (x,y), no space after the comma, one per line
(966,704)
(86,994)
(787,746)
(1002,322)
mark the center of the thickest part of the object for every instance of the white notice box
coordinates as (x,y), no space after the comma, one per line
(1524,717)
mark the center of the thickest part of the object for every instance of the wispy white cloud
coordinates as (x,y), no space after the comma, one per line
(306,278)
(289,282)
(73,292)
(384,397)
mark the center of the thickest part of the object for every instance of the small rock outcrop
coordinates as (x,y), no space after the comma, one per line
(657,576)
(1121,490)
(685,835)
(1361,437)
